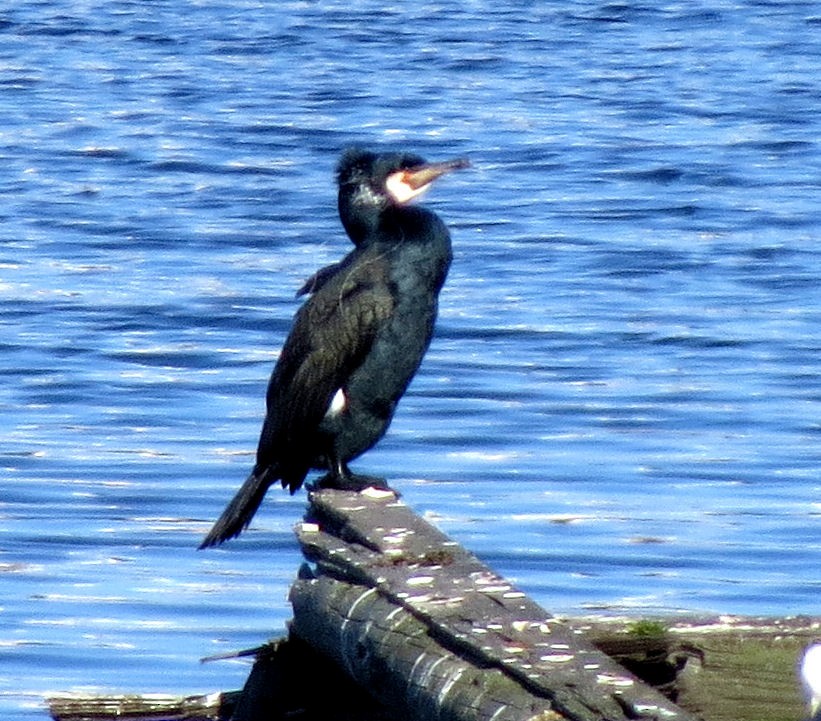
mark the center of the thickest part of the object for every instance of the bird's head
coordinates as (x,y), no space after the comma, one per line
(370,182)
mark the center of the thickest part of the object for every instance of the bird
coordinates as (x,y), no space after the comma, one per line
(359,337)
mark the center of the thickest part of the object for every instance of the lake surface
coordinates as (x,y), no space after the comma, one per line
(621,410)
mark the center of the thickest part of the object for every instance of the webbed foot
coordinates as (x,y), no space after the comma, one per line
(352,482)
(340,478)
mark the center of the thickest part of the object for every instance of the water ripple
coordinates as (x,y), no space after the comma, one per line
(619,408)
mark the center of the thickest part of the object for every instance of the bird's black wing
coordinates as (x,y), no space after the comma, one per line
(332,333)
(318,279)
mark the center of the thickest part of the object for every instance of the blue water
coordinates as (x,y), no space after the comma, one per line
(620,410)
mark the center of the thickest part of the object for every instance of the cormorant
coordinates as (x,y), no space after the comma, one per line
(357,341)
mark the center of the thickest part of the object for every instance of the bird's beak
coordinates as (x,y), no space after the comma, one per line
(405,185)
(424,175)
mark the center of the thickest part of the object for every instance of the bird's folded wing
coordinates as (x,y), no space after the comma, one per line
(332,334)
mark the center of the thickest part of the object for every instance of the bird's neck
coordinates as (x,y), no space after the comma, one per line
(361,221)
(411,224)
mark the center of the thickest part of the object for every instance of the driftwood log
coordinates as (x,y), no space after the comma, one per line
(721,669)
(396,621)
(434,634)
(142,707)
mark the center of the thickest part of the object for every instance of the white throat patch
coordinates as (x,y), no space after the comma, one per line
(400,190)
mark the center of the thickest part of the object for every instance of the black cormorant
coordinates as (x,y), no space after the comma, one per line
(357,341)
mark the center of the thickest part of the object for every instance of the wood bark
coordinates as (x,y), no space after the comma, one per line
(427,628)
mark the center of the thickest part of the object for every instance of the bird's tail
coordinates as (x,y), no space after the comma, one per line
(239,512)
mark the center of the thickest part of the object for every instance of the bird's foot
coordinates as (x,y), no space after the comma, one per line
(351,482)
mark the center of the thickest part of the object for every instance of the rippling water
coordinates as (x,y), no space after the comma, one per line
(621,407)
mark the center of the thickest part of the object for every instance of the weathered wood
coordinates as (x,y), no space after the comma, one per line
(398,602)
(736,668)
(749,670)
(145,707)
(420,624)
(387,650)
